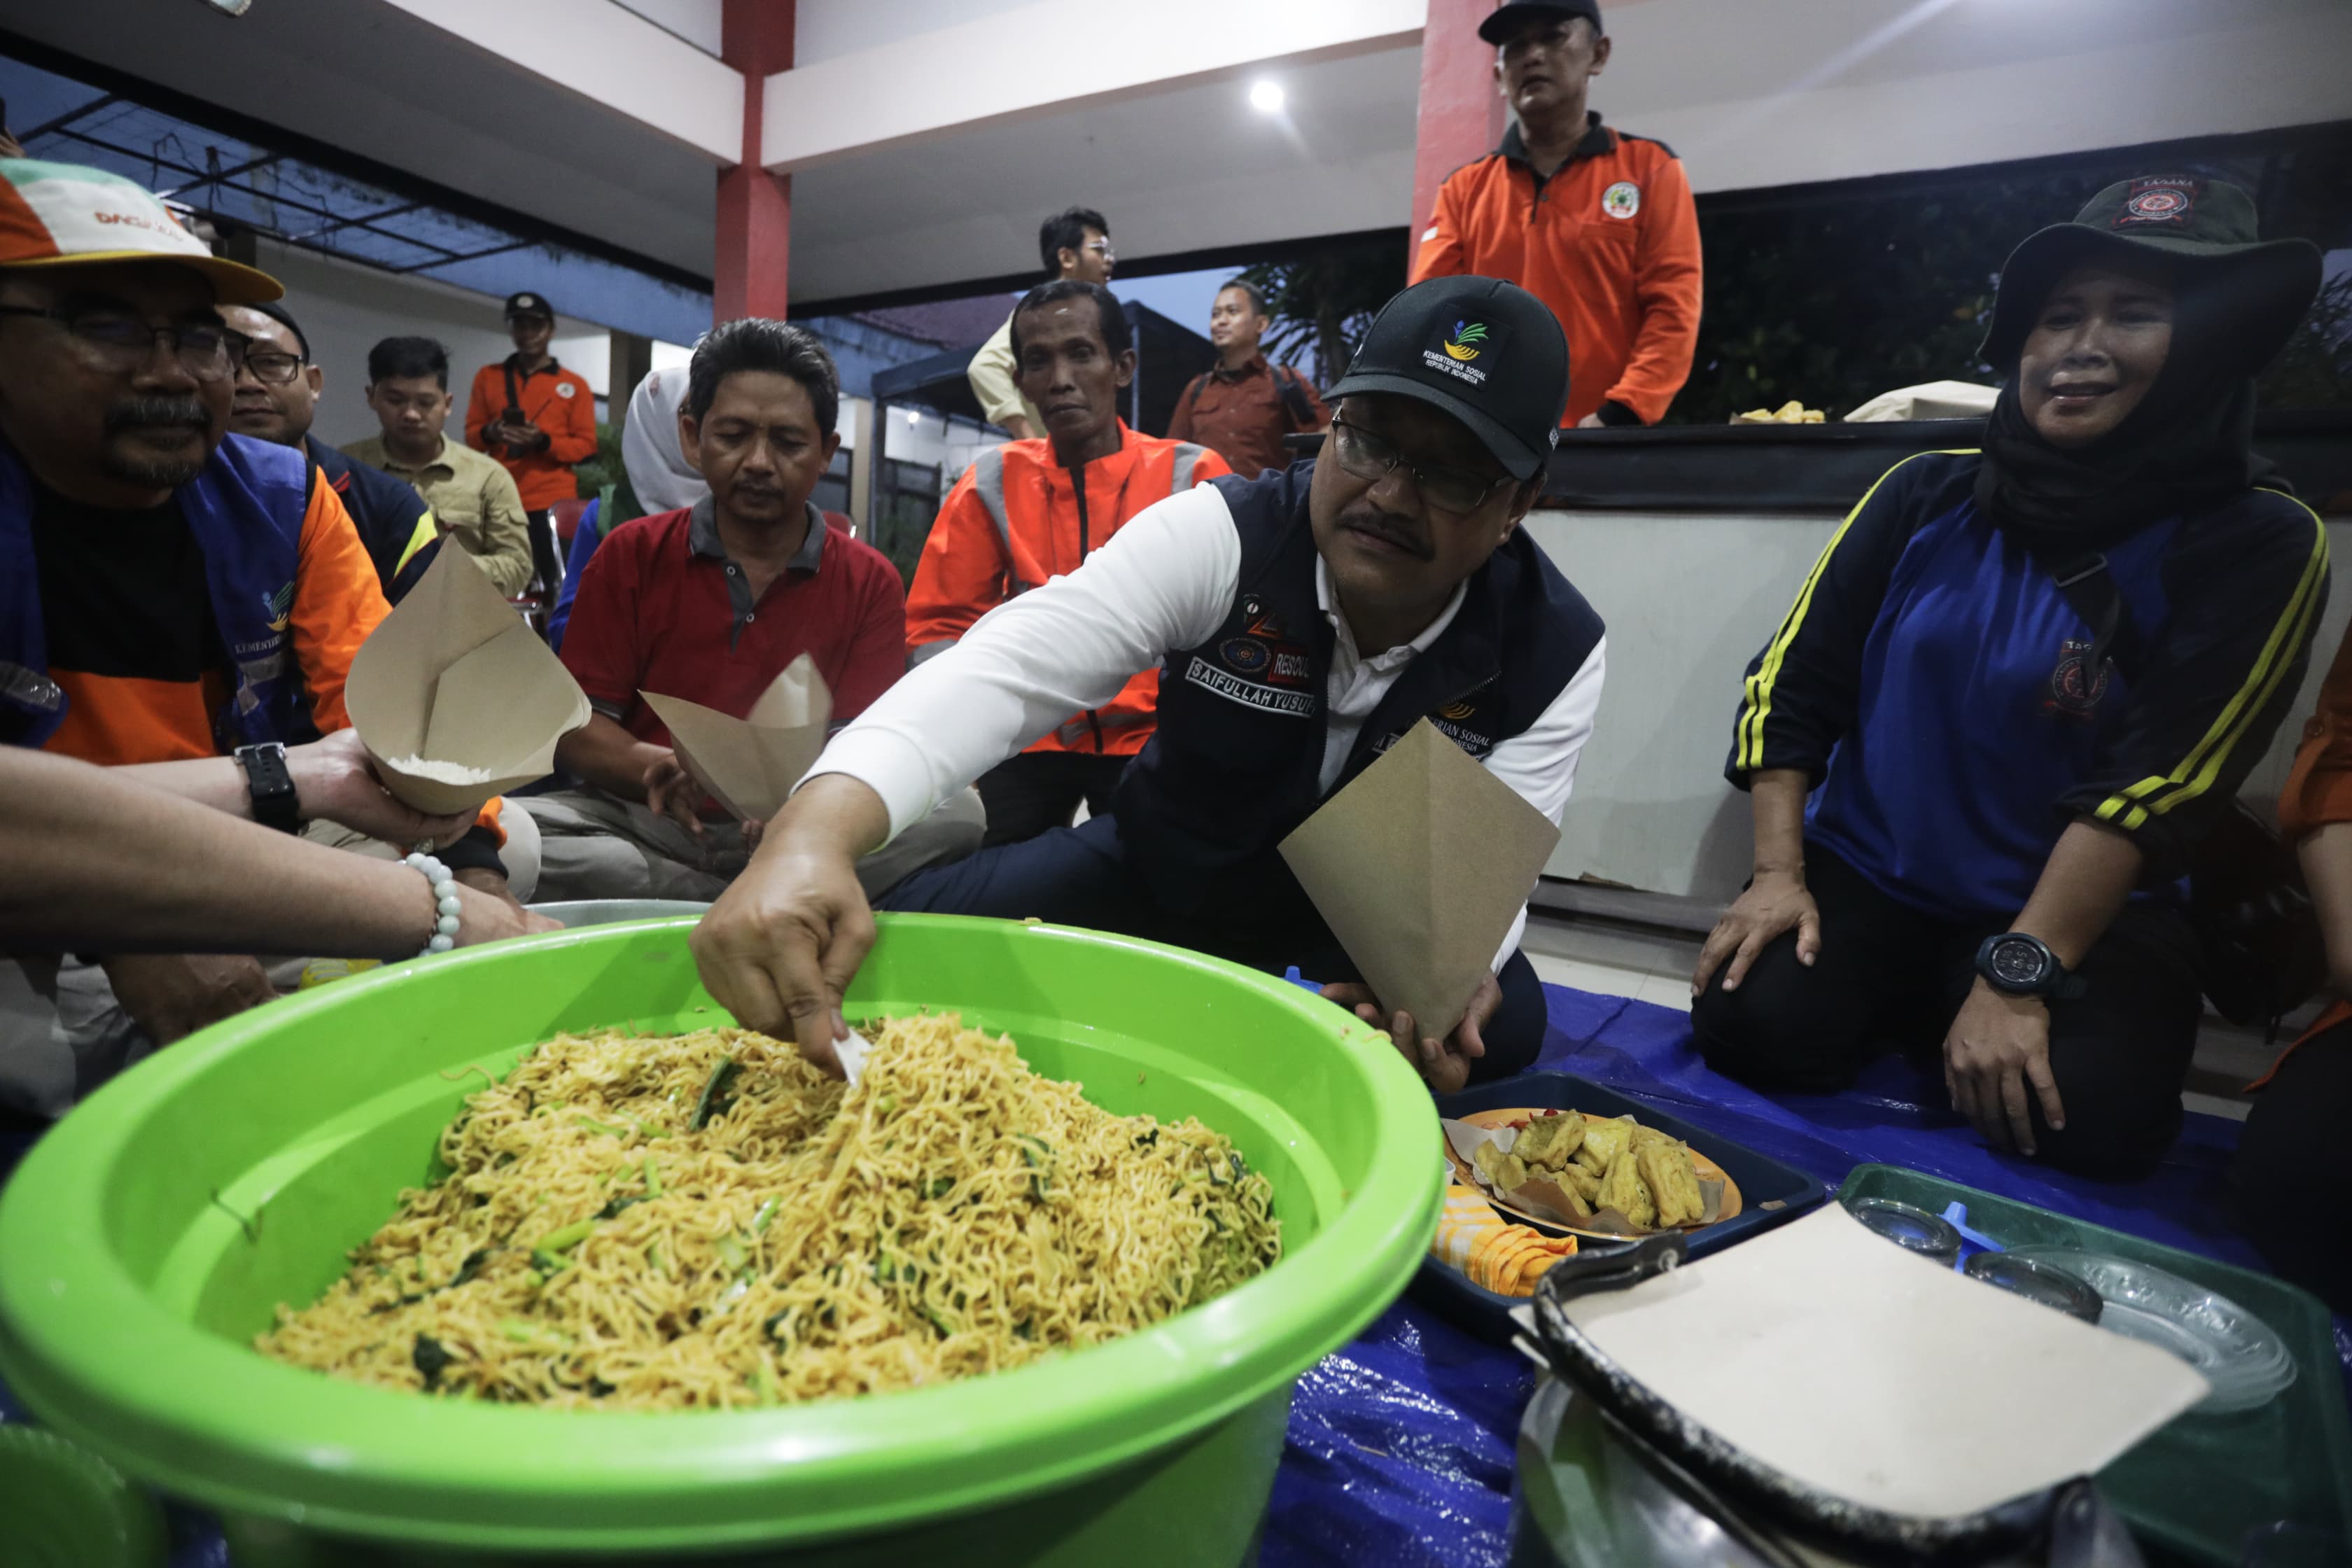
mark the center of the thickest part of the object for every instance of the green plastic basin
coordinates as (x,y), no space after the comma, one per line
(146,1240)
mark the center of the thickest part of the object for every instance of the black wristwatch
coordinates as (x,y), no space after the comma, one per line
(2016,965)
(275,803)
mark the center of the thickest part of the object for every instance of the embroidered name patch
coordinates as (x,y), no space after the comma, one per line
(1249,693)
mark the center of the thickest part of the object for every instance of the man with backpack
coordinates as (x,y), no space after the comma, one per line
(1242,408)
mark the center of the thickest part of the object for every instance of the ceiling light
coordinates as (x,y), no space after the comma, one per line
(1266,95)
(914,416)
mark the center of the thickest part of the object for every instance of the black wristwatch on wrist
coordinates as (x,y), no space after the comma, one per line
(2016,965)
(275,803)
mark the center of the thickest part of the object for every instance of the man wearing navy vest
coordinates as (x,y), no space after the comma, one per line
(1302,622)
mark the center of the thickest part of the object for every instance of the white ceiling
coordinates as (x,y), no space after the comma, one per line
(1174,172)
(369,79)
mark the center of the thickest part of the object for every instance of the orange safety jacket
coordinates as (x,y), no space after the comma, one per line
(558,401)
(1610,242)
(1017,518)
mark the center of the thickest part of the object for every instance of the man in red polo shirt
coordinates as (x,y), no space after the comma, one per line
(710,603)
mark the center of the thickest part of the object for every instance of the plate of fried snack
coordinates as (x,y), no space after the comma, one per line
(1596,1175)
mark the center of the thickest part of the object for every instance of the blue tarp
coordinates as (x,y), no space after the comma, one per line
(1401,1446)
(1400,1449)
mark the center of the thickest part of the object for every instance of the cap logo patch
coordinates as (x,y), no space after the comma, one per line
(1453,352)
(1621,200)
(2166,202)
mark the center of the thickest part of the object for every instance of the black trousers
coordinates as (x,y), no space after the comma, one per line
(1080,877)
(1038,790)
(546,566)
(2283,1188)
(1891,978)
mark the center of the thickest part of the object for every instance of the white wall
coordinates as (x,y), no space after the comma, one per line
(1650,809)
(346,309)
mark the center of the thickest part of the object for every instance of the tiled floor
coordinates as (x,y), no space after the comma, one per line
(1618,961)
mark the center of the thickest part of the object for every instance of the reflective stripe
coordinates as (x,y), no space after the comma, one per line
(2195,775)
(1756,706)
(988,483)
(1181,477)
(427,531)
(1072,732)
(929,650)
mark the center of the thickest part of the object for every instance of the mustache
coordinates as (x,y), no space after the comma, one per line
(157,413)
(1369,519)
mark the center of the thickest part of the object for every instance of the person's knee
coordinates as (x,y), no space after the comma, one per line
(2282,1188)
(1513,1036)
(2108,1138)
(1777,1028)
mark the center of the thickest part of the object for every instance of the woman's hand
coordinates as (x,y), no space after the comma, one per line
(335,781)
(1997,1046)
(1774,902)
(1444,1065)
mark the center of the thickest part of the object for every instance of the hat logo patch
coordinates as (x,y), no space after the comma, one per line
(2158,202)
(1466,334)
(1453,352)
(1621,200)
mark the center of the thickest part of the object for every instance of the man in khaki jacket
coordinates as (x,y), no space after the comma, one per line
(1073,243)
(472,494)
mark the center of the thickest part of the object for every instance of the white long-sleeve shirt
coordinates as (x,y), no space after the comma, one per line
(1165,581)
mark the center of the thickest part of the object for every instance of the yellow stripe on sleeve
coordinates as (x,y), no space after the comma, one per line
(2130,809)
(1756,706)
(427,531)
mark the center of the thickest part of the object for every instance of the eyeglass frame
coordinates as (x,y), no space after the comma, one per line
(295,364)
(232,343)
(1418,471)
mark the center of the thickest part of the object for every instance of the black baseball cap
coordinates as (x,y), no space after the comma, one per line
(2207,234)
(1486,352)
(529,304)
(1511,17)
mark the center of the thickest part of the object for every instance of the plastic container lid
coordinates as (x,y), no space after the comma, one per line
(2037,1280)
(66,1508)
(2237,1353)
(1913,1230)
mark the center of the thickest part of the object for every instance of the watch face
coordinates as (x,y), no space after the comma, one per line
(2017,963)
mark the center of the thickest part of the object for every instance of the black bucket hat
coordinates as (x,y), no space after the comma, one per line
(2205,229)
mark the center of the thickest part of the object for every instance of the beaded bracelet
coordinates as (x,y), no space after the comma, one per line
(444,884)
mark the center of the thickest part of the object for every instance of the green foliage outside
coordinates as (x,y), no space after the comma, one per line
(1321,304)
(606,468)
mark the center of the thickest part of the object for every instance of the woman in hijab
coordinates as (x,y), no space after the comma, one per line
(2018,685)
(660,480)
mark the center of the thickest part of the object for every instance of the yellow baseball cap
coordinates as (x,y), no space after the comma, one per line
(62,214)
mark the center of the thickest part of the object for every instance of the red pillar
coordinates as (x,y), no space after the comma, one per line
(755,207)
(1461,112)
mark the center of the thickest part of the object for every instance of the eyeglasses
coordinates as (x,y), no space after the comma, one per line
(112,341)
(1102,247)
(1370,456)
(272,367)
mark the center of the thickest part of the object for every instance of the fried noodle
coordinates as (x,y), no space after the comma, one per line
(954,1213)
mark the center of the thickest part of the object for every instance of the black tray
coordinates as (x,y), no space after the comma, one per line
(1771,1191)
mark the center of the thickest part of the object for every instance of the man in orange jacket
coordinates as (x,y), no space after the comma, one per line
(1596,224)
(536,418)
(1030,510)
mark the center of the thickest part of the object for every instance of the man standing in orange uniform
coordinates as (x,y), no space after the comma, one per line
(536,418)
(1596,224)
(1031,510)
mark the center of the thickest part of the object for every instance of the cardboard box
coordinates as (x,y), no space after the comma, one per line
(750,764)
(1419,867)
(452,675)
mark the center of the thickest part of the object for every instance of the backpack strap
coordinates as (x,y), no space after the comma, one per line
(1292,389)
(2083,581)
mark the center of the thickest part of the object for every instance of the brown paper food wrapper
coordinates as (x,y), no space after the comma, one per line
(750,764)
(1420,867)
(452,675)
(1547,1200)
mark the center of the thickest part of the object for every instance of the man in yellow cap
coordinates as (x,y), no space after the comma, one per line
(167,590)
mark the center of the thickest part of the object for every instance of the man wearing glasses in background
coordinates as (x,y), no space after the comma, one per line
(1302,622)
(167,591)
(1073,243)
(277,397)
